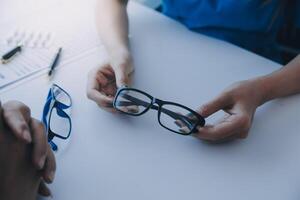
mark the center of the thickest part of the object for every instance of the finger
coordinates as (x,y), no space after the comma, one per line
(39,143)
(185,129)
(192,117)
(122,77)
(108,72)
(179,123)
(133,109)
(108,109)
(215,105)
(101,99)
(44,190)
(94,94)
(224,140)
(106,81)
(243,135)
(221,130)
(100,81)
(96,78)
(92,80)
(50,166)
(17,116)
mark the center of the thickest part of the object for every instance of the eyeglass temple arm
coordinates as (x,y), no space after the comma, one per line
(135,101)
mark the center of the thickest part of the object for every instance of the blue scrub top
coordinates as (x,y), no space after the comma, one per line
(251,24)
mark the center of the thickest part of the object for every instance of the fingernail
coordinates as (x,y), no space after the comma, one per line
(42,162)
(26,136)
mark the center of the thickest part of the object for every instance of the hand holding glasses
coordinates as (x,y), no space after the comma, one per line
(172,116)
(55,118)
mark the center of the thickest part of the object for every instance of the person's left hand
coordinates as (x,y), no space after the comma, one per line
(104,81)
(239,102)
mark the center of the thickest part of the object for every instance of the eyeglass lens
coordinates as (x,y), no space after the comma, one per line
(61,96)
(132,102)
(59,122)
(177,119)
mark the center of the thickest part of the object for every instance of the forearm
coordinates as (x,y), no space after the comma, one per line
(281,83)
(112,25)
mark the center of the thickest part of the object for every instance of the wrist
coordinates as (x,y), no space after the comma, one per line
(266,88)
(119,50)
(121,58)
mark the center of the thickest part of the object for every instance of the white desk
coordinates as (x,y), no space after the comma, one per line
(116,157)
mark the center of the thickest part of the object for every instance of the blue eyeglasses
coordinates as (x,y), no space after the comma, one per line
(55,118)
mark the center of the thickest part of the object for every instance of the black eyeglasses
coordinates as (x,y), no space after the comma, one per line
(172,116)
(56,120)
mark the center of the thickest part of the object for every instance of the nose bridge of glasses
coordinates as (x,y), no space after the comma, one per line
(158,103)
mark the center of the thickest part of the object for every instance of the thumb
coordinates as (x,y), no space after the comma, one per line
(122,76)
(218,103)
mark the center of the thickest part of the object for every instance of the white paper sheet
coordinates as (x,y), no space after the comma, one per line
(38,24)
(26,63)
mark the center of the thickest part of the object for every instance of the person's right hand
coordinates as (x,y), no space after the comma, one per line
(104,81)
(239,102)
(16,119)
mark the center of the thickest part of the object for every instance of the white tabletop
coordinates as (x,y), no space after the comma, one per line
(114,157)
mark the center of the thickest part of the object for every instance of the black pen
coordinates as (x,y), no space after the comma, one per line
(55,62)
(11,54)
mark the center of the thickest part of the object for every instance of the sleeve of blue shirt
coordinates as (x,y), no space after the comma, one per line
(297,25)
(298,15)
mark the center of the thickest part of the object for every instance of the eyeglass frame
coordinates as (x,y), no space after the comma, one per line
(159,108)
(48,109)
